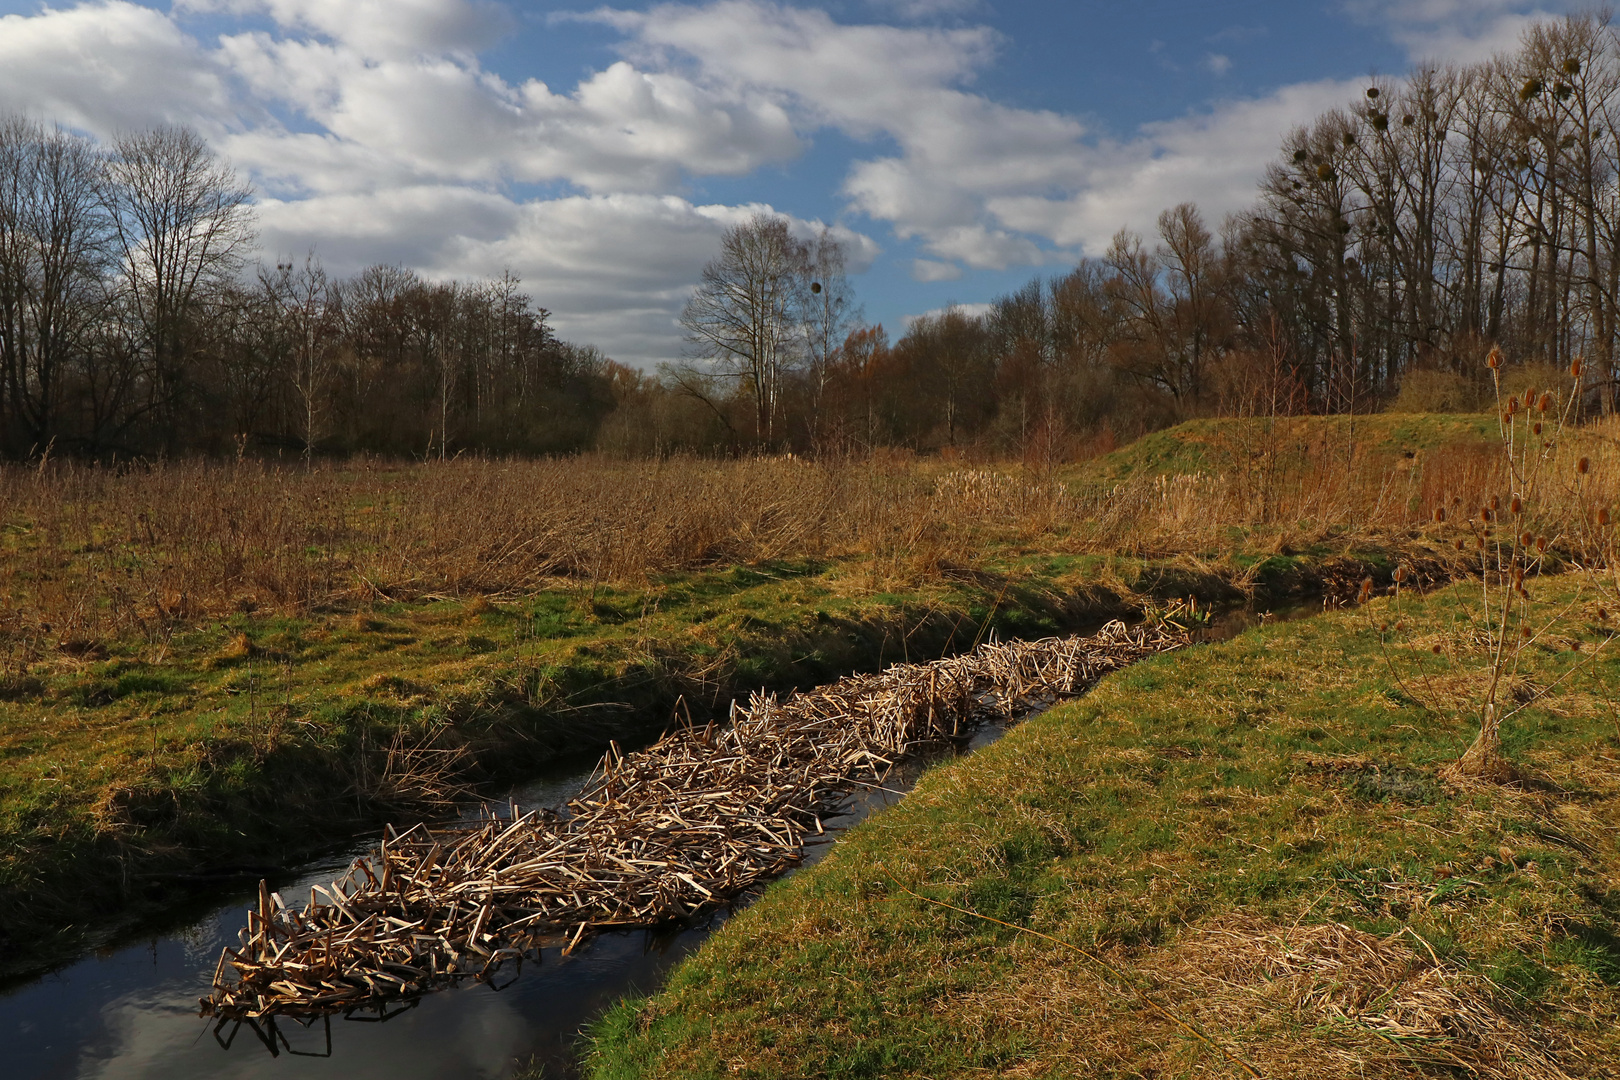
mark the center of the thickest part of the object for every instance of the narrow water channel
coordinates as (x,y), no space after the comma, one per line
(131,1011)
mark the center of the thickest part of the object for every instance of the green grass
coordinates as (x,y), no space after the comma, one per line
(249,740)
(1233,794)
(1214,445)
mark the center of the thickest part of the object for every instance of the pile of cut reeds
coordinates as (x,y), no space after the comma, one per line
(659,835)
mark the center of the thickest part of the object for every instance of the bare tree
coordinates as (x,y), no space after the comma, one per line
(183,223)
(952,356)
(742,315)
(303,303)
(827,313)
(53,243)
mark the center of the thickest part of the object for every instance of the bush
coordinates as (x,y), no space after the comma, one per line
(1430,391)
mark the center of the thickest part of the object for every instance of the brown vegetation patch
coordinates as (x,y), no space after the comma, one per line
(1292,1001)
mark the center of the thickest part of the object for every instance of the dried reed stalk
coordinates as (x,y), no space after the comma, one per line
(690,822)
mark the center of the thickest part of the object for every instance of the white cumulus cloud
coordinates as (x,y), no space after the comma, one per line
(103,67)
(1457,30)
(930,270)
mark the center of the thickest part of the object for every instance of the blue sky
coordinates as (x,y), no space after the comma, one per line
(959,147)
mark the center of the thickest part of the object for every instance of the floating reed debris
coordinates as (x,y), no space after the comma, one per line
(684,825)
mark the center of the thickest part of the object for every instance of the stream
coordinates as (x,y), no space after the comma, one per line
(130,1011)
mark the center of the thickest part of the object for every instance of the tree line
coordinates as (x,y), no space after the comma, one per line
(1392,242)
(132,323)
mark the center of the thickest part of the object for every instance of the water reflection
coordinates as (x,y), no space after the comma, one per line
(131,1013)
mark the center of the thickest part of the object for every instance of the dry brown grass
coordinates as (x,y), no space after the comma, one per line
(1292,1001)
(92,554)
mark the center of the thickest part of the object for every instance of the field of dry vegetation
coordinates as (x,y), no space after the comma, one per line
(92,555)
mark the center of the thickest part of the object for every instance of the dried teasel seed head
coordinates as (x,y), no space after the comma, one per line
(1496,502)
(1524,631)
(1400,573)
(1439,514)
(1456,501)
(1603,515)
(1513,405)
(1530,398)
(1602,613)
(1493,359)
(1535,428)
(1575,368)
(1459,544)
(1583,465)
(1518,575)
(1435,649)
(1575,646)
(1516,506)
(1400,624)
(1485,514)
(1545,403)
(1541,544)
(1524,541)
(1383,628)
(1507,417)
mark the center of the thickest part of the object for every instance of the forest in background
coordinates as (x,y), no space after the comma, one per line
(1392,242)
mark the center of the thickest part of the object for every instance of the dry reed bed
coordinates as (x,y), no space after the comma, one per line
(688,823)
(90,554)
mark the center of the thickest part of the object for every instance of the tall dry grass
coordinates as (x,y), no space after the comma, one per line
(89,553)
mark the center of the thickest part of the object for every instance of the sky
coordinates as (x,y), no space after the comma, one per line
(956,147)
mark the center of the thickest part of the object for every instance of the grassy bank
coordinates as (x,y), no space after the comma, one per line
(137,773)
(1246,851)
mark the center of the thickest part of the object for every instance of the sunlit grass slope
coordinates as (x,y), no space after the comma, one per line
(1255,837)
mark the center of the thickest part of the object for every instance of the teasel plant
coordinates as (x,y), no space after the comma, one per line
(1546,521)
(1549,519)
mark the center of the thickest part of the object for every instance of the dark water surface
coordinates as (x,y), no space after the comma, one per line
(131,1011)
